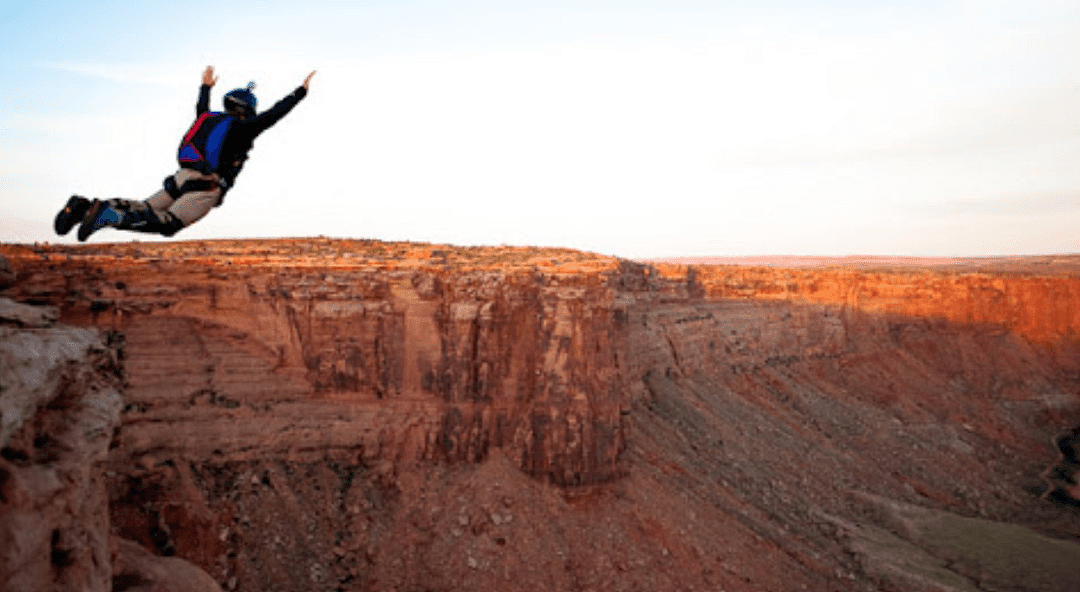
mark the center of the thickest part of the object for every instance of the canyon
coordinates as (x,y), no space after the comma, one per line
(326,414)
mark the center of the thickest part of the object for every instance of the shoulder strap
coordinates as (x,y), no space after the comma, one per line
(195,126)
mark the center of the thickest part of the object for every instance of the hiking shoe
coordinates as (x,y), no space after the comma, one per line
(97,217)
(71,214)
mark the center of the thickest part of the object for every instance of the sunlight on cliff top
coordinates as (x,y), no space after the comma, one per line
(329,252)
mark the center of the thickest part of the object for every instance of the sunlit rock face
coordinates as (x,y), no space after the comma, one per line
(355,415)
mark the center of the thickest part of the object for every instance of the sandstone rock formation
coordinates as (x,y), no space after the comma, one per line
(60,405)
(138,570)
(354,415)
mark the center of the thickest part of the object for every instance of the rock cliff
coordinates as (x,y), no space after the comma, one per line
(58,409)
(60,404)
(355,415)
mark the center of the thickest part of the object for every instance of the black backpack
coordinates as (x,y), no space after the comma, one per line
(201,147)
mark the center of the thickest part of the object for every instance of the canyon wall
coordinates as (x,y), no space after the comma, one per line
(1039,304)
(355,415)
(60,402)
(248,360)
(59,406)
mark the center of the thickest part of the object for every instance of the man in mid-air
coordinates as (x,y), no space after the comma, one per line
(211,155)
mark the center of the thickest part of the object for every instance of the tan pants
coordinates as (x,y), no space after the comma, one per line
(191,206)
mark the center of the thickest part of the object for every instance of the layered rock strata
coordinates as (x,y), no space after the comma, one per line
(354,415)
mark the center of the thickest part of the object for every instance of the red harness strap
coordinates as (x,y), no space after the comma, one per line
(196,125)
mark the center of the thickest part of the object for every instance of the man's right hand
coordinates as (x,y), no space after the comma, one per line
(208,77)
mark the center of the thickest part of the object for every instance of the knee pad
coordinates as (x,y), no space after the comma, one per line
(197,185)
(171,188)
(176,191)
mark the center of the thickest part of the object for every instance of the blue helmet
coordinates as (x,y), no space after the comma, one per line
(241,99)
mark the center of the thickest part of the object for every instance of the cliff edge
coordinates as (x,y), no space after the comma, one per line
(355,415)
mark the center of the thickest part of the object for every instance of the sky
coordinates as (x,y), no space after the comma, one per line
(633,128)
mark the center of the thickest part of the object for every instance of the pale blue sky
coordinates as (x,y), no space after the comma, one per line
(639,129)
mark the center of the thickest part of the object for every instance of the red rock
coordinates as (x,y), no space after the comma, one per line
(598,424)
(138,570)
(59,407)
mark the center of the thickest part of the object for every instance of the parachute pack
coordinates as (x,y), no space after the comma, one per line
(201,146)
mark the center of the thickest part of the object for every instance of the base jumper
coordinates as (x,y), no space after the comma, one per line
(211,155)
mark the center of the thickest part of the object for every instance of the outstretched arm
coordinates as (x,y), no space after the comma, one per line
(208,81)
(274,114)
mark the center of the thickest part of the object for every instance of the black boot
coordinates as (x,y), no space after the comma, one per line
(71,214)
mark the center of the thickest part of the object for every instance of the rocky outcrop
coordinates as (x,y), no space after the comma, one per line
(59,408)
(138,570)
(60,405)
(354,415)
